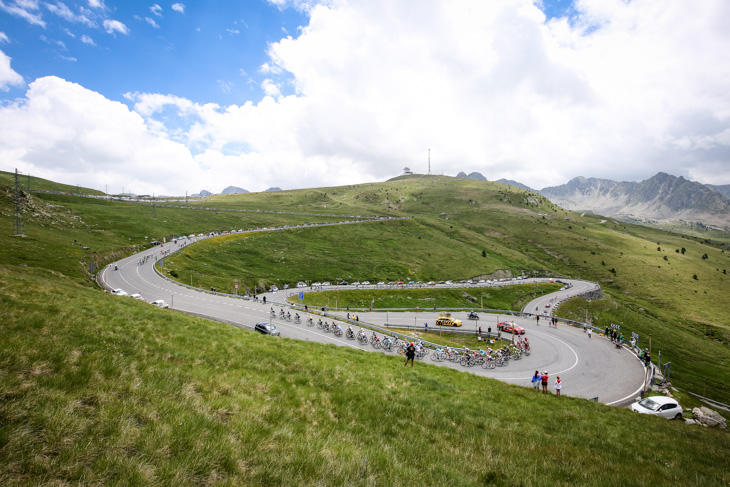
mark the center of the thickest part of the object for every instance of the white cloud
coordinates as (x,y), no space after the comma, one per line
(114,26)
(71,134)
(156,10)
(623,90)
(152,22)
(8,77)
(96,3)
(4,37)
(270,88)
(25,9)
(178,7)
(87,40)
(65,13)
(225,86)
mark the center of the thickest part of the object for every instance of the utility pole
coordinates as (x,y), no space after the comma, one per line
(18,227)
(429,162)
(154,207)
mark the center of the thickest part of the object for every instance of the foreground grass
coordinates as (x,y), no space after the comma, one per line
(511,298)
(104,390)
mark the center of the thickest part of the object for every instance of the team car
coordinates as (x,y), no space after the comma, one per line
(510,327)
(447,320)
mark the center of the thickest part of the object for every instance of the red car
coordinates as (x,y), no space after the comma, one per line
(509,327)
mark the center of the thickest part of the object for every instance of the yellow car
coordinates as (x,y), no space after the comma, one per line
(447,320)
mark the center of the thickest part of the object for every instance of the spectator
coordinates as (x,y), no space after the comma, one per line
(410,354)
(558,385)
(544,379)
(536,380)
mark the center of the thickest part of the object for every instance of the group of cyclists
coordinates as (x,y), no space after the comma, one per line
(488,358)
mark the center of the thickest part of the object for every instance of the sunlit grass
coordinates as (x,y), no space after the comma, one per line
(113,391)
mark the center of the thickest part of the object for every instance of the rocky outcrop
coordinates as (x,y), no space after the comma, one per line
(708,417)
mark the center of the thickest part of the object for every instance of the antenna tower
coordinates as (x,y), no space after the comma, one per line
(18,227)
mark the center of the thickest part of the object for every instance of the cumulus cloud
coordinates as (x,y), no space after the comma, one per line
(72,134)
(620,90)
(114,26)
(87,40)
(156,9)
(8,77)
(178,7)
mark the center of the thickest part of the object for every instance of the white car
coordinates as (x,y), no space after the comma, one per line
(366,283)
(119,292)
(137,296)
(301,284)
(326,283)
(663,406)
(160,303)
(356,283)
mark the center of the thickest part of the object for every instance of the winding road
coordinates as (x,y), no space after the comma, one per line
(591,368)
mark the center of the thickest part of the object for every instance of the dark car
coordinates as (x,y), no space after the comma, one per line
(266,328)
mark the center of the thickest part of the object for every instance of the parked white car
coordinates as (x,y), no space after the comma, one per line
(119,292)
(160,303)
(663,406)
(137,296)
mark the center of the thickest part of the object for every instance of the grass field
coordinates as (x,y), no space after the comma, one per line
(659,283)
(113,391)
(98,389)
(510,298)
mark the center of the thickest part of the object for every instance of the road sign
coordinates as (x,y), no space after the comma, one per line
(301,295)
(236,286)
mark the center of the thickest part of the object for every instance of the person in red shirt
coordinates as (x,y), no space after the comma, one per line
(544,382)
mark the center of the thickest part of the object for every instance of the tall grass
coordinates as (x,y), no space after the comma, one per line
(113,391)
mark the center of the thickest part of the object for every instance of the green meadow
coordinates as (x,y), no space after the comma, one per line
(103,390)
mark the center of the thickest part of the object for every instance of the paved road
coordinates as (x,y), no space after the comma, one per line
(589,368)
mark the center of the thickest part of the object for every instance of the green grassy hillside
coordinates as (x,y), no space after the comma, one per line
(114,391)
(668,285)
(30,182)
(98,389)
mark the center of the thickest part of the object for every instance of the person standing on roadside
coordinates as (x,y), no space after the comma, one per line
(536,380)
(558,385)
(590,332)
(410,354)
(544,379)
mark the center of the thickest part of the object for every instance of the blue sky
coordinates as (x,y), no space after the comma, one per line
(204,51)
(309,93)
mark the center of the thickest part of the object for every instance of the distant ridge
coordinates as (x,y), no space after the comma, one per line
(233,190)
(473,175)
(661,198)
(509,182)
(275,188)
(723,190)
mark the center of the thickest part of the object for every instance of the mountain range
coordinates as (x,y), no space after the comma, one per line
(230,190)
(662,198)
